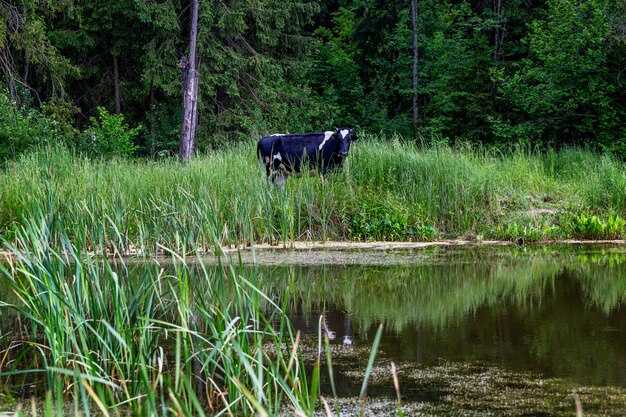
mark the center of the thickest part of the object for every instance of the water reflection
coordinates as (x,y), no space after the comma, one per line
(556,310)
(557,314)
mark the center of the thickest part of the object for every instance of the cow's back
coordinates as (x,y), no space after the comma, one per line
(266,144)
(292,149)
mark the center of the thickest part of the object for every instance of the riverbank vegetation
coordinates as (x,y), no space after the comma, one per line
(95,337)
(389,190)
(179,337)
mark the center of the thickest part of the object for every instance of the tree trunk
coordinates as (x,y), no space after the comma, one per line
(26,70)
(116,85)
(190,91)
(12,92)
(497,44)
(415,66)
(152,121)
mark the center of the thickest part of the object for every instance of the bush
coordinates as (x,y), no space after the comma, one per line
(109,136)
(23,128)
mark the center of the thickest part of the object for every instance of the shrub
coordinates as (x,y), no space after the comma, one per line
(109,136)
(22,129)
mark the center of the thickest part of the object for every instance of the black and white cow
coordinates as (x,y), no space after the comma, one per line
(285,153)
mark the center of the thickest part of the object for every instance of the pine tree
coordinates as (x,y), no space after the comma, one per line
(29,61)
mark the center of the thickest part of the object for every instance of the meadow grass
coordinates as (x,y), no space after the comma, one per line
(388,190)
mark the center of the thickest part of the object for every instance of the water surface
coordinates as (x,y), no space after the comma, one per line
(542,320)
(556,311)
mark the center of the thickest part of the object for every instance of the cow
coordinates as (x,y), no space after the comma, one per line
(285,153)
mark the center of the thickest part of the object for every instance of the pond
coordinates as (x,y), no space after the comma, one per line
(459,321)
(471,330)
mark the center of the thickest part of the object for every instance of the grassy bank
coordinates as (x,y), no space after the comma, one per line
(388,190)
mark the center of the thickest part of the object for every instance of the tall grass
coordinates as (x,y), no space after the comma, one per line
(388,190)
(190,342)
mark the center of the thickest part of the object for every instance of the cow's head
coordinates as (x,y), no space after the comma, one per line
(344,135)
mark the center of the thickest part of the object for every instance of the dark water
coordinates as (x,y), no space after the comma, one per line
(559,312)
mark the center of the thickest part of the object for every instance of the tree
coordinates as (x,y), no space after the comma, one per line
(190,90)
(160,75)
(414,18)
(256,56)
(28,59)
(455,71)
(566,91)
(335,70)
(371,62)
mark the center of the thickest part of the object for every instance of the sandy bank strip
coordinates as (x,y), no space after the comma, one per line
(344,246)
(386,246)
(377,245)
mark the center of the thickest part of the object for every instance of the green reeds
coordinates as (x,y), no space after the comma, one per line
(388,190)
(192,341)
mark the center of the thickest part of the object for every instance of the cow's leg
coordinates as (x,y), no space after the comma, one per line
(265,162)
(267,165)
(268,170)
(279,180)
(280,175)
(284,170)
(271,178)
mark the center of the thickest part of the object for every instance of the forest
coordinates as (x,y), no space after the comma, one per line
(106,77)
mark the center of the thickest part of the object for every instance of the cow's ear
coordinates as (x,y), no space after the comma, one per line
(353,136)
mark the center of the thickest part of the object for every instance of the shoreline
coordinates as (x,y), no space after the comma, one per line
(348,246)
(393,245)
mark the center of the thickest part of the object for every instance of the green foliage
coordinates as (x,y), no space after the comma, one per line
(109,136)
(566,91)
(28,55)
(455,77)
(554,82)
(335,70)
(593,227)
(529,232)
(555,77)
(22,129)
(386,219)
(391,226)
(255,57)
(161,135)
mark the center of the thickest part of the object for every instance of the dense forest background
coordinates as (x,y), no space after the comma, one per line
(105,76)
